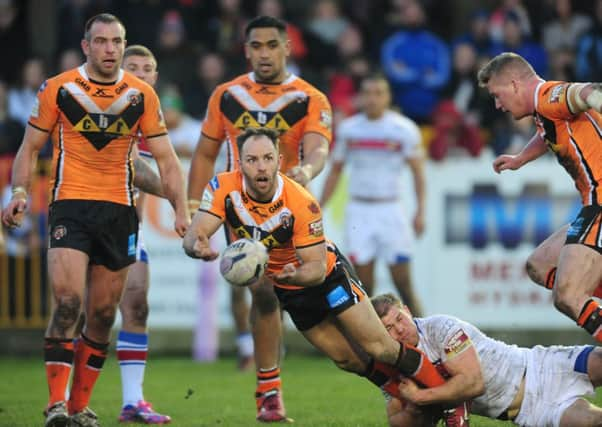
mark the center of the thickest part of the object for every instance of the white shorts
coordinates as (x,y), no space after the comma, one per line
(378,230)
(553,383)
(141,254)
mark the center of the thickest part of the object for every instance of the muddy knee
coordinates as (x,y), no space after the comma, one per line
(67,311)
(265,300)
(104,316)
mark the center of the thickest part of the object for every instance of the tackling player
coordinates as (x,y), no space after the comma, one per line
(270,97)
(92,113)
(569,124)
(312,280)
(536,387)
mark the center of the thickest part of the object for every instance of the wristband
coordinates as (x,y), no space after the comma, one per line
(193,204)
(19,190)
(594,100)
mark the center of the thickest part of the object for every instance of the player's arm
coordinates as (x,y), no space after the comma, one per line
(416,165)
(23,169)
(535,148)
(145,178)
(406,415)
(583,96)
(311,271)
(172,178)
(315,153)
(465,382)
(201,169)
(331,182)
(196,240)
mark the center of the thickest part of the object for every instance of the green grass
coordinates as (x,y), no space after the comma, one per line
(316,394)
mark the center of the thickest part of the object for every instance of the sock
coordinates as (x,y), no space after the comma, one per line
(379,373)
(412,362)
(551,276)
(244,343)
(132,350)
(88,361)
(268,379)
(590,319)
(58,358)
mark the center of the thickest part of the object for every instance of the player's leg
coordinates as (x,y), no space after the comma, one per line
(579,272)
(105,288)
(244,339)
(266,326)
(365,273)
(581,414)
(67,270)
(541,264)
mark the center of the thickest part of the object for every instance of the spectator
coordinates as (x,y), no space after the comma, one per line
(562,65)
(478,34)
(69,59)
(274,8)
(455,119)
(515,41)
(225,34)
(11,132)
(22,99)
(326,22)
(417,64)
(183,130)
(72,16)
(210,72)
(588,67)
(175,53)
(565,30)
(498,18)
(344,86)
(14,41)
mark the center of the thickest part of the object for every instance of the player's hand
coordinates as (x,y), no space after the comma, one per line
(202,249)
(300,174)
(182,223)
(419,224)
(14,212)
(506,162)
(286,274)
(408,389)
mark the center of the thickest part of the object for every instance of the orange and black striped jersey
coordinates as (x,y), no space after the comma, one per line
(93,126)
(575,139)
(291,220)
(293,107)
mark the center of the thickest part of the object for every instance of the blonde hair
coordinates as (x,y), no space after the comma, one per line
(501,63)
(383,303)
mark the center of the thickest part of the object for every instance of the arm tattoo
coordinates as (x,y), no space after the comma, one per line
(146,179)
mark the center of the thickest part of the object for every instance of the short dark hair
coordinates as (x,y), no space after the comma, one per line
(265,22)
(249,133)
(105,18)
(139,50)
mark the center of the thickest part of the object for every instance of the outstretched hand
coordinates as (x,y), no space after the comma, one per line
(288,272)
(506,162)
(14,212)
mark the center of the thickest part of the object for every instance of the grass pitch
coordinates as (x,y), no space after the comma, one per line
(214,394)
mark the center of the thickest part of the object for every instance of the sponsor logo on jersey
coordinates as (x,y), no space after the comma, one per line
(556,94)
(457,344)
(207,200)
(102,92)
(316,228)
(35,109)
(326,119)
(43,86)
(337,297)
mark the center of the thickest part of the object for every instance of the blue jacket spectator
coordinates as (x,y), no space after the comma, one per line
(478,34)
(588,67)
(417,63)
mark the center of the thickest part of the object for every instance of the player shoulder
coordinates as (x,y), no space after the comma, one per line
(226,180)
(400,120)
(130,80)
(439,322)
(354,120)
(305,86)
(294,190)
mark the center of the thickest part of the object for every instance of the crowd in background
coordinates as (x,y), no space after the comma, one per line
(429,51)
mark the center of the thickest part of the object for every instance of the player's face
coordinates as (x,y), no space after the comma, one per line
(143,67)
(104,51)
(375,97)
(399,324)
(259,163)
(507,94)
(267,50)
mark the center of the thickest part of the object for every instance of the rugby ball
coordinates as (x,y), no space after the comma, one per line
(243,262)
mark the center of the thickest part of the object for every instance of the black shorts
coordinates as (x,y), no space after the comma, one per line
(586,229)
(310,306)
(107,232)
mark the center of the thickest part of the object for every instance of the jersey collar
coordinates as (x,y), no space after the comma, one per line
(82,71)
(291,78)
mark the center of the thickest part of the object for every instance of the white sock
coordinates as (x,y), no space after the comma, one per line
(244,343)
(132,349)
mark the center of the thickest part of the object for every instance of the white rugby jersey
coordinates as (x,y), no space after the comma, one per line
(375,151)
(502,365)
